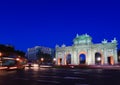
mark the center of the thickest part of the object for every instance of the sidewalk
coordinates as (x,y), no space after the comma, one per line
(114,67)
(111,67)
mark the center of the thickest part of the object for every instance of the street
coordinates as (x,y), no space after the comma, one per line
(60,76)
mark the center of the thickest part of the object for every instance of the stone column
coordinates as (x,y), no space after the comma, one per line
(56,56)
(63,58)
(92,58)
(75,58)
(105,56)
(72,58)
(115,56)
(89,56)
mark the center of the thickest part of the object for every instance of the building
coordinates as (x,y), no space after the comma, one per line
(32,52)
(84,51)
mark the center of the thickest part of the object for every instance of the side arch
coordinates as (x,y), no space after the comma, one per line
(82,57)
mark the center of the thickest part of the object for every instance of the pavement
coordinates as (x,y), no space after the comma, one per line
(60,76)
(114,67)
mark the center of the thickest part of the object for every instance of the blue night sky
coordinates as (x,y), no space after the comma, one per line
(25,24)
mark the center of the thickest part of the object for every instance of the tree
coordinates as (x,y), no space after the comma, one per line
(39,54)
(20,53)
(47,57)
(8,50)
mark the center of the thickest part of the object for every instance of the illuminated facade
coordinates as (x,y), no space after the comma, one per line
(32,52)
(83,51)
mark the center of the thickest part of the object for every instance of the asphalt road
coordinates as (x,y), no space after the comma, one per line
(60,76)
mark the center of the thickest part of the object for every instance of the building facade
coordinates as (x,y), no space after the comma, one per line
(32,52)
(83,51)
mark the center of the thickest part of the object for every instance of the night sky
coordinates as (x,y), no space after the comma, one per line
(25,24)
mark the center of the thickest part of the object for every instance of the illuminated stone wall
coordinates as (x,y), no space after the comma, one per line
(102,53)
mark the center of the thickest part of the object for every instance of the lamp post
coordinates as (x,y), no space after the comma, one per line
(54,60)
(0,59)
(17,59)
(42,59)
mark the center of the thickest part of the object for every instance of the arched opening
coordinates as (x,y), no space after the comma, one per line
(110,60)
(68,59)
(98,58)
(82,58)
(59,61)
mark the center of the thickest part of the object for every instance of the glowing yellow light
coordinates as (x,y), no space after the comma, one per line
(35,65)
(54,59)
(42,59)
(19,56)
(0,54)
(17,59)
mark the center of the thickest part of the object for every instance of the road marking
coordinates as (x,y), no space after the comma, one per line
(81,84)
(51,76)
(48,81)
(44,81)
(62,77)
(73,78)
(38,80)
(79,73)
(22,78)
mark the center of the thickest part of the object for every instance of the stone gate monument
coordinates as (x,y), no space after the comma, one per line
(84,51)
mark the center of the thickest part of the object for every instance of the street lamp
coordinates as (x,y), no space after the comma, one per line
(42,59)
(0,59)
(0,54)
(54,60)
(17,59)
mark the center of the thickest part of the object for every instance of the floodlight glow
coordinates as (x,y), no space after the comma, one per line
(98,58)
(54,59)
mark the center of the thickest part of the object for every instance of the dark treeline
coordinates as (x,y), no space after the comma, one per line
(8,50)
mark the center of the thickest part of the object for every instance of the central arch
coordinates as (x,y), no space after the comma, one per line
(82,58)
